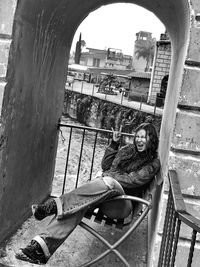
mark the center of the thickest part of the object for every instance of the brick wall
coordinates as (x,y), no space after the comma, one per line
(161,68)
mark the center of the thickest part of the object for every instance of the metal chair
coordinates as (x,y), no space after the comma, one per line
(104,216)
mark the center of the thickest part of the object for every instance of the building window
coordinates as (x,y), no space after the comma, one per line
(96,62)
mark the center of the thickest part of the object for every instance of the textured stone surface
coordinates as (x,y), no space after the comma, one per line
(188,171)
(4,52)
(195,6)
(194,44)
(2,87)
(190,93)
(7,9)
(186,133)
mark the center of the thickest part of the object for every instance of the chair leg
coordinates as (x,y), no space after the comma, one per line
(111,248)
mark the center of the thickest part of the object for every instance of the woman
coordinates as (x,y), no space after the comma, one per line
(125,170)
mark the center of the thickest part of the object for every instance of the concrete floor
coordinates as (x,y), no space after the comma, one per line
(79,248)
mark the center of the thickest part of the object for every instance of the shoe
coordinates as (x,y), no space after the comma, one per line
(44,210)
(33,253)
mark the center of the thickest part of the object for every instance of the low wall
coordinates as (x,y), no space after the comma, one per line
(95,112)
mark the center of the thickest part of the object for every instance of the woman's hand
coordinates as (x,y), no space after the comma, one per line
(117,135)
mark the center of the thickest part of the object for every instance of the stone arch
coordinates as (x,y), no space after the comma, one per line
(41,39)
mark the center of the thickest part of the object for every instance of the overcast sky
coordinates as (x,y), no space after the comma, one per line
(115,26)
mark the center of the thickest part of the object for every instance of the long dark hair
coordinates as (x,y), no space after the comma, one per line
(153,138)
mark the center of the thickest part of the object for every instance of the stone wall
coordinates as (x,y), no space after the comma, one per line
(32,83)
(99,113)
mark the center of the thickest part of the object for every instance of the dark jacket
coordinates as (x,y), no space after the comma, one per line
(134,180)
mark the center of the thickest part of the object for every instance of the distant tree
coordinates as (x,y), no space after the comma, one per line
(79,45)
(145,49)
(83,44)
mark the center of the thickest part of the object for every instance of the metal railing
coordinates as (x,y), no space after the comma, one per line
(95,135)
(92,90)
(176,215)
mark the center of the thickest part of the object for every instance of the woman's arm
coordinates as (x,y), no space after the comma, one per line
(138,178)
(111,151)
(109,155)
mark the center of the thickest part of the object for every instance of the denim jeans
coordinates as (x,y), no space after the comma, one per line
(71,208)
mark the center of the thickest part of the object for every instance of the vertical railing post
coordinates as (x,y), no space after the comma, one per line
(93,90)
(141,102)
(168,231)
(67,159)
(154,112)
(193,241)
(171,236)
(121,97)
(164,237)
(79,164)
(82,87)
(93,154)
(175,243)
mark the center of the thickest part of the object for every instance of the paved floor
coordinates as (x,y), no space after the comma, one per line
(91,89)
(79,247)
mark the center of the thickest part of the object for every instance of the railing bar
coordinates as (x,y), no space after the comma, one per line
(168,230)
(79,163)
(92,129)
(176,192)
(173,222)
(141,102)
(162,248)
(67,159)
(177,231)
(190,220)
(193,241)
(94,148)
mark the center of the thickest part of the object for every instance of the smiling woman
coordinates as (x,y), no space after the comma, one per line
(141,140)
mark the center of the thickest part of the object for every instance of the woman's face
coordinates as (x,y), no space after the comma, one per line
(141,140)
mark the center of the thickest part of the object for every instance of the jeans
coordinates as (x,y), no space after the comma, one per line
(71,208)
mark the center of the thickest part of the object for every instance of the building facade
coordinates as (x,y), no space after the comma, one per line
(143,51)
(160,71)
(111,58)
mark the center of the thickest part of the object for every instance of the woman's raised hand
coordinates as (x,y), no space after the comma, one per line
(117,134)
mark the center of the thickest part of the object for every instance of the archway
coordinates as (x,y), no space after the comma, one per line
(42,37)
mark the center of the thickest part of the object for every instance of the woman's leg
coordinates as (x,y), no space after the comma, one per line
(42,246)
(57,231)
(87,196)
(71,208)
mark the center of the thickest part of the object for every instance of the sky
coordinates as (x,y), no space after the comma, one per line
(116,25)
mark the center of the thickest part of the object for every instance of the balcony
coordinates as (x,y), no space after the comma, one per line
(79,154)
(78,159)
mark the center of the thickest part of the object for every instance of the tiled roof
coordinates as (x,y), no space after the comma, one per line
(144,75)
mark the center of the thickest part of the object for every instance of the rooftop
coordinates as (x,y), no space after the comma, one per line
(144,75)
